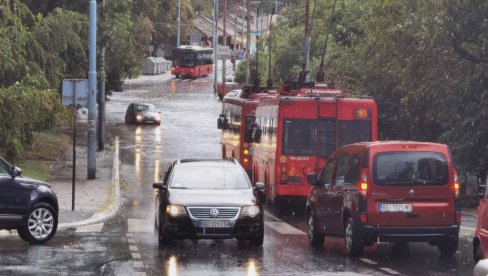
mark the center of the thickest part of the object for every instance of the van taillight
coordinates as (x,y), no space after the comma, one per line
(456,185)
(363,182)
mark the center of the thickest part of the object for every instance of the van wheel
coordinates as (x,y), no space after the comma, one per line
(399,248)
(478,254)
(258,238)
(40,225)
(354,245)
(448,247)
(314,237)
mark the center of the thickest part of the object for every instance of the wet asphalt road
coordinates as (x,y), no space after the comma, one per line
(127,245)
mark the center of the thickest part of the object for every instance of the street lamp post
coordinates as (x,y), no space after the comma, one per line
(179,23)
(92,90)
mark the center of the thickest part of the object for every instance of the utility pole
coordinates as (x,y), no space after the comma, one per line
(101,95)
(269,82)
(224,39)
(215,42)
(179,23)
(248,41)
(92,89)
(256,80)
(307,37)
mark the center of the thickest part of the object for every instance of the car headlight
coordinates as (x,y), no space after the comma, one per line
(175,210)
(139,117)
(250,211)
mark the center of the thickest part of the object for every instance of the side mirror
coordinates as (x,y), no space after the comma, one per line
(256,136)
(16,171)
(159,185)
(260,186)
(473,185)
(312,179)
(219,123)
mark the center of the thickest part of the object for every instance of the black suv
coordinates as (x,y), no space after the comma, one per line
(208,199)
(28,205)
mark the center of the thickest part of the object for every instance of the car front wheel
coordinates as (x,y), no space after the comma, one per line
(41,224)
(162,239)
(258,239)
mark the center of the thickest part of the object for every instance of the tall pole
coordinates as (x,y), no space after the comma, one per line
(270,80)
(307,37)
(179,23)
(248,41)
(257,48)
(235,25)
(224,39)
(215,42)
(101,95)
(92,90)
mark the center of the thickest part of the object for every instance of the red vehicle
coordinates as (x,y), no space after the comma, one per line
(476,187)
(192,61)
(388,191)
(236,122)
(295,135)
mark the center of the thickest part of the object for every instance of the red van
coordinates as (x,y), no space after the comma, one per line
(476,187)
(393,191)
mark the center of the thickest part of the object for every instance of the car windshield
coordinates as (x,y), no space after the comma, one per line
(410,168)
(144,108)
(4,168)
(209,177)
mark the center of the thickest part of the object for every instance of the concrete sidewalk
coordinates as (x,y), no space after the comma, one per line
(96,200)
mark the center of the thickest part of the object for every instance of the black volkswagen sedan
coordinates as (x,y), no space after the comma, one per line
(27,205)
(208,199)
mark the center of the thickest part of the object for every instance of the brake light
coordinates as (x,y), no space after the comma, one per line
(364,218)
(363,182)
(456,184)
(283,175)
(458,217)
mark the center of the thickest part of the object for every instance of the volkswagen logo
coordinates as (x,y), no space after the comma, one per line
(214,213)
(412,192)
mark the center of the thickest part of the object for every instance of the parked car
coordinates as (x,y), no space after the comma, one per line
(142,113)
(393,191)
(208,199)
(27,205)
(476,187)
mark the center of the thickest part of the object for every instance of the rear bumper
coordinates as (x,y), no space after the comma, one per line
(413,234)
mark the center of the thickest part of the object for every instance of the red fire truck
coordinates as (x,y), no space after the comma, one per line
(192,61)
(295,134)
(236,122)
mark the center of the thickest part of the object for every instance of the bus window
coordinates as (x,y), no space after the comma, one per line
(327,136)
(354,131)
(299,137)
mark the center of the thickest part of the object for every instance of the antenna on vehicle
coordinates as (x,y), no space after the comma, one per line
(320,77)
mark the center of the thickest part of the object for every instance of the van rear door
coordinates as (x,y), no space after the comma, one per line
(411,188)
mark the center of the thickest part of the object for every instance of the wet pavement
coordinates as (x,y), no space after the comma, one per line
(127,244)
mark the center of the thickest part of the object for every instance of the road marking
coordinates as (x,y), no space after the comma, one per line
(368,261)
(467,228)
(389,270)
(133,248)
(271,215)
(140,225)
(130,234)
(283,228)
(138,264)
(131,240)
(141,274)
(6,233)
(90,228)
(135,255)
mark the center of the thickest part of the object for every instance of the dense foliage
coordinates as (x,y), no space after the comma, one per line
(425,63)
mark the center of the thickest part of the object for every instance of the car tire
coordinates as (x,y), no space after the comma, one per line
(400,248)
(314,237)
(478,254)
(162,239)
(448,246)
(40,224)
(258,238)
(353,242)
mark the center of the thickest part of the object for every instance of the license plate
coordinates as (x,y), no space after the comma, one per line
(149,122)
(213,223)
(387,207)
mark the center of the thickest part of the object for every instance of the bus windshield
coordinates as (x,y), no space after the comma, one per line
(183,59)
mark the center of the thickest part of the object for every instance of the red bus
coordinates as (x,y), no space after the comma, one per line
(192,61)
(294,135)
(236,122)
